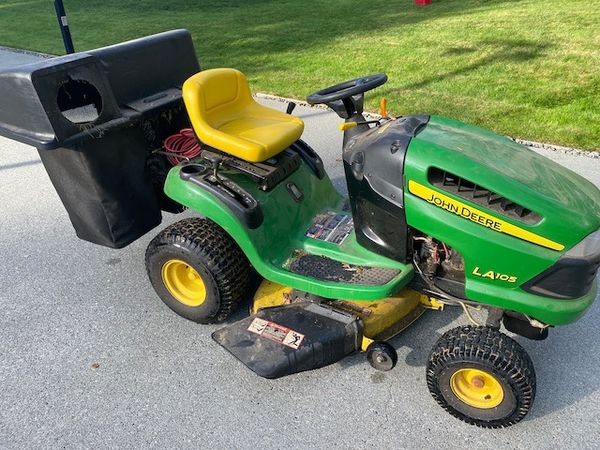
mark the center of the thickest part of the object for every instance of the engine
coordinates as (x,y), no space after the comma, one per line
(439,265)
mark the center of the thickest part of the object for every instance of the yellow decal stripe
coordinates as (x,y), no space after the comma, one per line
(475,215)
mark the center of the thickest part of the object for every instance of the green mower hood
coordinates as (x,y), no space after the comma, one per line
(507,179)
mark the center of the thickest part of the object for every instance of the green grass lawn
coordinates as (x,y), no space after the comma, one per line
(529,68)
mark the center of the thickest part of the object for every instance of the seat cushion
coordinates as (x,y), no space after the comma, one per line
(225,116)
(260,133)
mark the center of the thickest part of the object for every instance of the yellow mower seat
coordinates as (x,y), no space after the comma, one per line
(225,116)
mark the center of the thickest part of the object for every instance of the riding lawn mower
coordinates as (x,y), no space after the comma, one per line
(438,214)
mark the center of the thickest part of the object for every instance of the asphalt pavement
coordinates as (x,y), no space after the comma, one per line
(12,57)
(90,357)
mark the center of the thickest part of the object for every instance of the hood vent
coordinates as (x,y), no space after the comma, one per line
(481,196)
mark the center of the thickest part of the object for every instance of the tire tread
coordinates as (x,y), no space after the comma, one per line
(221,254)
(485,345)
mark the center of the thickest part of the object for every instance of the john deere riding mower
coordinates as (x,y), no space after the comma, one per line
(438,214)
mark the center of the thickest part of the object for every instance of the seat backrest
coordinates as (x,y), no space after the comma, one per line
(214,96)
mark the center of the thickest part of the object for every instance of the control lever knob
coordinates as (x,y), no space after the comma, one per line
(290,108)
(215,161)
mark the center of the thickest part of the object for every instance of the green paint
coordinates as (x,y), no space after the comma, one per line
(281,235)
(569,204)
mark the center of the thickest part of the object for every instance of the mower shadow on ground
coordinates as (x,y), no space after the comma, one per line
(559,384)
(557,387)
(20,164)
(418,338)
(243,309)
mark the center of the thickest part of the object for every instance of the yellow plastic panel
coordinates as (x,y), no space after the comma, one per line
(225,116)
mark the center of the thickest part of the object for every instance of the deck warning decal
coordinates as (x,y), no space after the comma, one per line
(331,227)
(276,333)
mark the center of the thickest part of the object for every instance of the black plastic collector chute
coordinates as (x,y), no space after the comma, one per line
(96,118)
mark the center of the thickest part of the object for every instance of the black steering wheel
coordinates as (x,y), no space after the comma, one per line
(347,89)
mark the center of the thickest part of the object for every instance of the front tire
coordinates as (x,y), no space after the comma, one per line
(481,376)
(198,270)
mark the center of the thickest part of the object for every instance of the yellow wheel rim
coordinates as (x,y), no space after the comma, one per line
(183,282)
(477,388)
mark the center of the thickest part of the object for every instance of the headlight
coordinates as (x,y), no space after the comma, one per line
(573,275)
(588,247)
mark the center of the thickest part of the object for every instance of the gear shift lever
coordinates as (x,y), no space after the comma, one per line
(215,162)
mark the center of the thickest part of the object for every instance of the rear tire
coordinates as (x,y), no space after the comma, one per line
(481,376)
(198,270)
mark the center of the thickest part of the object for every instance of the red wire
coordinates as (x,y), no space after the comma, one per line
(183,143)
(446,251)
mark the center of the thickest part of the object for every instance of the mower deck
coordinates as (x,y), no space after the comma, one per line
(291,331)
(291,338)
(381,319)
